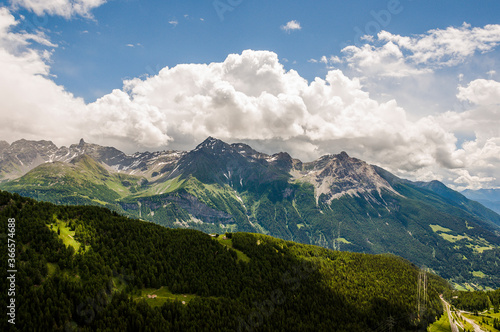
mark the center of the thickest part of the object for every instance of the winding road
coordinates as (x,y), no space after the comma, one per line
(471,322)
(453,324)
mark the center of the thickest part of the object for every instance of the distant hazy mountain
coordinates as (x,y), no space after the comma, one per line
(336,201)
(488,197)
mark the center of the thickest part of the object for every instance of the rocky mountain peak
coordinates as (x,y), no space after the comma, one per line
(23,155)
(343,155)
(337,175)
(216,161)
(245,149)
(281,160)
(24,145)
(3,146)
(213,144)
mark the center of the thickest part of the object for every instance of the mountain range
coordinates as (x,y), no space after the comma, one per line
(488,197)
(336,201)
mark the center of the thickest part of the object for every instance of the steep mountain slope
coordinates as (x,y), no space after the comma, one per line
(336,202)
(334,176)
(81,181)
(487,197)
(22,156)
(451,197)
(101,279)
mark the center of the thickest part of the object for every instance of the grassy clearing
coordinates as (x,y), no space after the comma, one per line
(118,284)
(467,225)
(163,295)
(490,313)
(98,201)
(442,325)
(454,238)
(470,287)
(479,248)
(65,233)
(461,322)
(442,231)
(117,186)
(219,197)
(488,317)
(478,274)
(161,188)
(229,243)
(478,245)
(459,287)
(437,228)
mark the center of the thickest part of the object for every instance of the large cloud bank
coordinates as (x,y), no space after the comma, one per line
(250,97)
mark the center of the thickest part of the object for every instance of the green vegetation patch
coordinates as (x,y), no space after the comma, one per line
(479,249)
(454,238)
(485,321)
(157,297)
(442,231)
(65,234)
(468,326)
(437,228)
(229,243)
(230,228)
(162,187)
(218,197)
(51,269)
(442,325)
(459,287)
(342,240)
(481,245)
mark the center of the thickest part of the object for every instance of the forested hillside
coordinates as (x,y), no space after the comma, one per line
(87,268)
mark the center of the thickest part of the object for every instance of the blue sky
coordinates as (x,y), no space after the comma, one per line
(93,57)
(411,85)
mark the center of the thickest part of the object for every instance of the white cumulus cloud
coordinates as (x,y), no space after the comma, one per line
(64,8)
(398,56)
(481,92)
(291,26)
(32,105)
(480,155)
